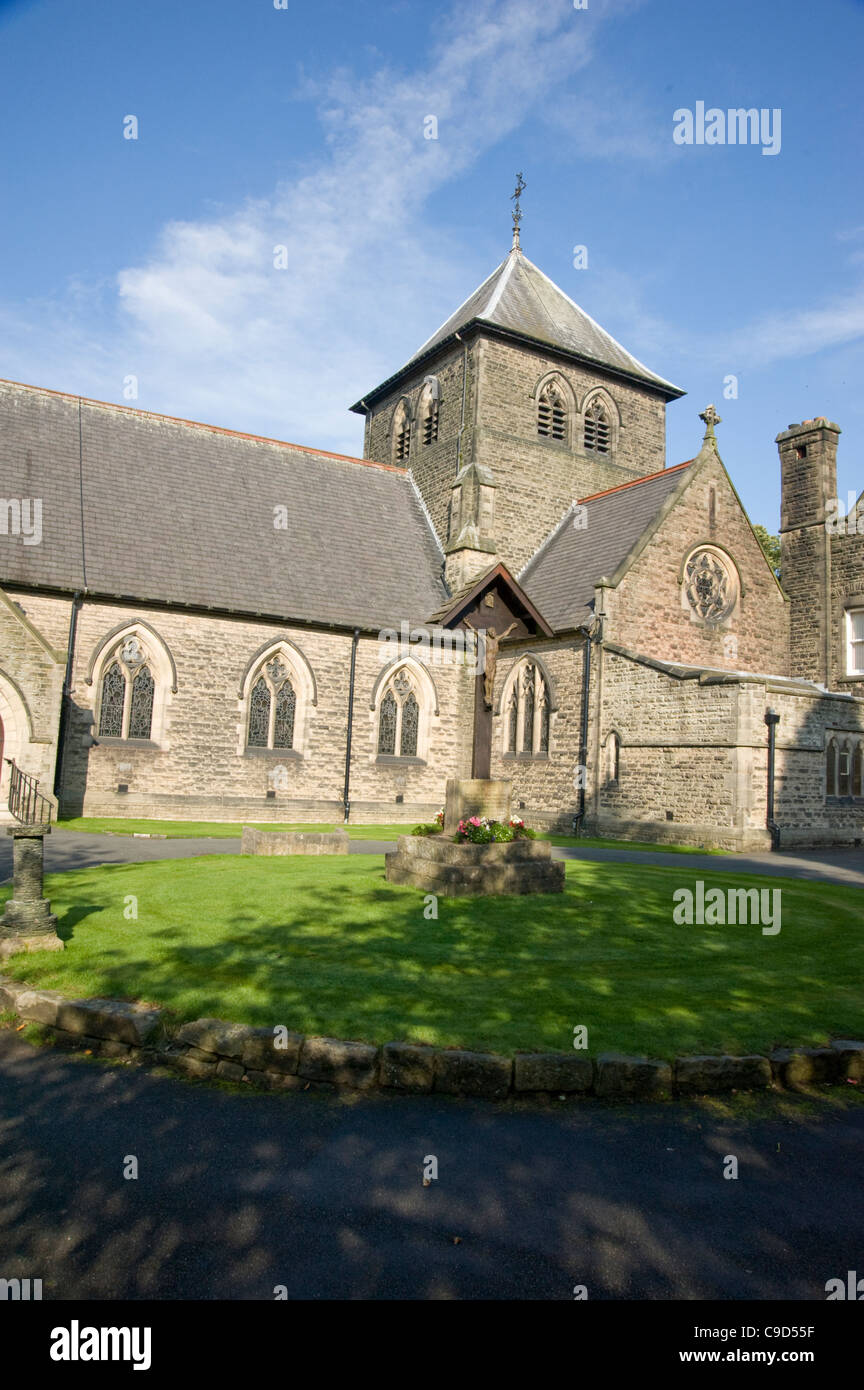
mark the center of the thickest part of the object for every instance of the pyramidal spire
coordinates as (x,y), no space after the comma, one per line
(517,211)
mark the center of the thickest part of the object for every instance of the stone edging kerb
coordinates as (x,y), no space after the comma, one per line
(210,1047)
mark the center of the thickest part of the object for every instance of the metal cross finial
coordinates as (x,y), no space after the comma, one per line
(517,211)
(711,418)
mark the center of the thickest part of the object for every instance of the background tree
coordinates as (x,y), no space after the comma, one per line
(771,545)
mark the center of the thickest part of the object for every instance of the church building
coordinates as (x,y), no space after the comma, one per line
(201,624)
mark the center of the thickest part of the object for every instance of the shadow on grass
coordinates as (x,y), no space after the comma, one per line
(330,947)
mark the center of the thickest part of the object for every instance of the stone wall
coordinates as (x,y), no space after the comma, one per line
(198,767)
(647,611)
(434,466)
(693,763)
(32,665)
(544,790)
(847,589)
(537,478)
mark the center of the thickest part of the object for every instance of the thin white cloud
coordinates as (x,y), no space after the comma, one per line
(212,329)
(797,333)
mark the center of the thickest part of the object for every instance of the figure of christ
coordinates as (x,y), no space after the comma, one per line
(490,642)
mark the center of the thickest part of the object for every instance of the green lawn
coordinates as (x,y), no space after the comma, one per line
(229,830)
(326,945)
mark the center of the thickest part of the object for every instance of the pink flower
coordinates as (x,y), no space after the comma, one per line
(475,821)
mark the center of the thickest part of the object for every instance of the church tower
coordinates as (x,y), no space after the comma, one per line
(518,405)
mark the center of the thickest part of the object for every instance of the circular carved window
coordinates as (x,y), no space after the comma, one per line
(709,585)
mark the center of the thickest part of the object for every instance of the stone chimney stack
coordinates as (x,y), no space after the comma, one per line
(808,473)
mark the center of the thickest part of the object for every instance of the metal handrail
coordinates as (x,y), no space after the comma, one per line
(26,802)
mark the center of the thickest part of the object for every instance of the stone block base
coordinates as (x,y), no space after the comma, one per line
(293,841)
(13,942)
(435,864)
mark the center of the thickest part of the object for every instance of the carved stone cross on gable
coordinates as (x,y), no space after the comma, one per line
(711,418)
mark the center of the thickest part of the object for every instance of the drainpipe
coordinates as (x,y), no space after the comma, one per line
(67,692)
(772,720)
(345,795)
(583,731)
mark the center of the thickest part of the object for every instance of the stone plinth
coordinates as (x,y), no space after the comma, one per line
(293,841)
(475,796)
(28,923)
(436,864)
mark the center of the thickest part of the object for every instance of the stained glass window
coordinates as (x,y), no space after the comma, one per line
(513,724)
(111,708)
(543,746)
(259,714)
(410,726)
(283,728)
(387,725)
(141,713)
(528,710)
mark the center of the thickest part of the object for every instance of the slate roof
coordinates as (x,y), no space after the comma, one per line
(518,298)
(178,512)
(560,577)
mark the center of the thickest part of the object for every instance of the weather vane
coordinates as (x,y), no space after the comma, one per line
(517,211)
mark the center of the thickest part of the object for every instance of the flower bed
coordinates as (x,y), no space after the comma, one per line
(480,830)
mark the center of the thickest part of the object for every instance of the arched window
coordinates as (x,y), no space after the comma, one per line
(428,412)
(126,692)
(614,758)
(858,770)
(526,705)
(399,716)
(831,768)
(844,770)
(401,433)
(597,437)
(272,706)
(552,414)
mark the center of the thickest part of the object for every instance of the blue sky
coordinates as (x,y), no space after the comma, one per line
(303,127)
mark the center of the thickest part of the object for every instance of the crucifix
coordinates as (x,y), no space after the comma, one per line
(517,211)
(488,642)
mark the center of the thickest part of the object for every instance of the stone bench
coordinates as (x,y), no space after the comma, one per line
(293,841)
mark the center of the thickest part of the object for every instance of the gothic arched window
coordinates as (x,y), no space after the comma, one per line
(844,770)
(402,433)
(831,768)
(552,414)
(597,437)
(126,692)
(399,716)
(272,706)
(527,708)
(428,412)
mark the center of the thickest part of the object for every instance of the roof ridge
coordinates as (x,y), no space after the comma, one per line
(600,329)
(203,425)
(634,482)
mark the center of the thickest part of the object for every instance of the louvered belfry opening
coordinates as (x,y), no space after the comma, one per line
(403,442)
(430,423)
(551,416)
(597,430)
